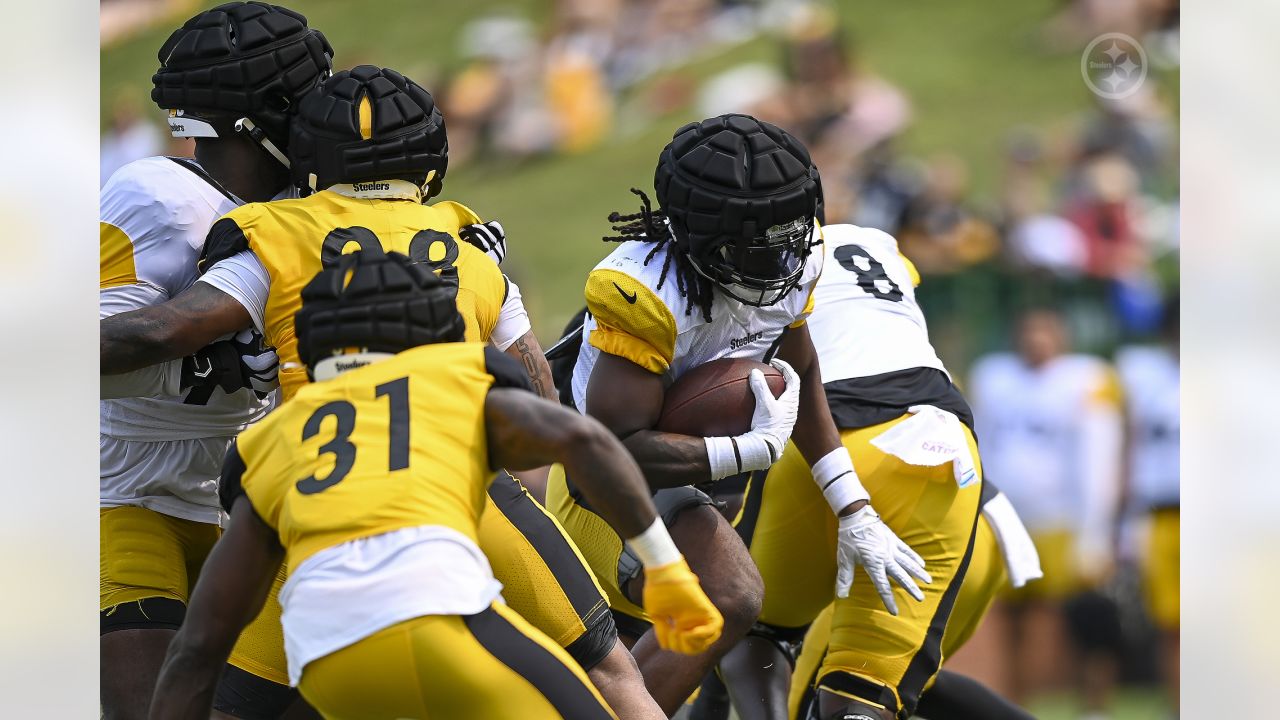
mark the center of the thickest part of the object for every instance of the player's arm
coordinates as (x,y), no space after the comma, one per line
(863,538)
(232,589)
(526,431)
(174,329)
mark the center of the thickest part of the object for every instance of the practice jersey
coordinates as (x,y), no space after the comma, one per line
(1051,436)
(154,216)
(374,482)
(630,316)
(870,334)
(294,239)
(1150,377)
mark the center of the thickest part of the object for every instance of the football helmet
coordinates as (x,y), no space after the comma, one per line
(239,67)
(374,302)
(740,196)
(367,124)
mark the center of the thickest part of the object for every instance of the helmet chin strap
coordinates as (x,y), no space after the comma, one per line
(259,136)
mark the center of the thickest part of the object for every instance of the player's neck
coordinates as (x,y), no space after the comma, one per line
(245,171)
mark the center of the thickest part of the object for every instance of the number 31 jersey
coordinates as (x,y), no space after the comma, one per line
(294,239)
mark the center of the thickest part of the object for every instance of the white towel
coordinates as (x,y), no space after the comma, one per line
(1020,557)
(931,437)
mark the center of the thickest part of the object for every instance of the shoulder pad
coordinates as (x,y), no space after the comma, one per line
(632,321)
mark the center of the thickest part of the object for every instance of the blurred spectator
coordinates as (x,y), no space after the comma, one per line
(1150,375)
(1051,431)
(128,137)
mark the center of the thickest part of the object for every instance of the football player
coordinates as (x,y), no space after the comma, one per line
(159,453)
(722,270)
(1052,432)
(1150,376)
(910,433)
(372,145)
(391,609)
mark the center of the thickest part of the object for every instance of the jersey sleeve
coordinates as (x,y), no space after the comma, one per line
(163,380)
(145,218)
(461,213)
(244,278)
(632,322)
(480,276)
(513,319)
(506,372)
(226,238)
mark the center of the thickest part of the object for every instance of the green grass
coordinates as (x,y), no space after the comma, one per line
(973,71)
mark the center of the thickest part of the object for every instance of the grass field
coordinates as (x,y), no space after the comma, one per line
(974,71)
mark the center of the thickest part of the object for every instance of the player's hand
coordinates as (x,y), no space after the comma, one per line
(243,361)
(774,418)
(684,620)
(865,540)
(488,237)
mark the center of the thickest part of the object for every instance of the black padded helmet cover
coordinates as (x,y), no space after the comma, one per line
(730,183)
(367,124)
(375,302)
(241,59)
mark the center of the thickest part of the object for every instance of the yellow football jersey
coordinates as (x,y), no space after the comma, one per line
(295,239)
(399,443)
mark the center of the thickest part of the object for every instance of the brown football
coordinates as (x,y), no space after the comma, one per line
(715,399)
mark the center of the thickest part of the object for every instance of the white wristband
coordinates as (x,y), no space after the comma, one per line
(654,546)
(735,455)
(838,481)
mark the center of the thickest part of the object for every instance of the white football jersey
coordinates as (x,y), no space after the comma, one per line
(1150,377)
(154,216)
(1051,436)
(866,320)
(630,316)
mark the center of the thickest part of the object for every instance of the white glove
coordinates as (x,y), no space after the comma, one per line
(259,364)
(771,425)
(864,539)
(488,237)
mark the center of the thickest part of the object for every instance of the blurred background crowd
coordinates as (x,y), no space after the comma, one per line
(1042,217)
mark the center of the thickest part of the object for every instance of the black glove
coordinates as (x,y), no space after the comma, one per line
(488,237)
(243,361)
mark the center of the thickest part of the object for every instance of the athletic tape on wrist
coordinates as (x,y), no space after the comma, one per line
(654,546)
(729,456)
(838,481)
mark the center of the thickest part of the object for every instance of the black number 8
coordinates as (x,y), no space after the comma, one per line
(871,278)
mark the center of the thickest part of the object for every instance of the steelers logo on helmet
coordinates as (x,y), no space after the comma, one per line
(239,67)
(741,196)
(369,124)
(370,305)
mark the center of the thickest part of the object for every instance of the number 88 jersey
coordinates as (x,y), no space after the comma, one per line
(294,239)
(866,321)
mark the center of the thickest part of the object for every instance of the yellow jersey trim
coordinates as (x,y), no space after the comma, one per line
(911,270)
(115,258)
(631,321)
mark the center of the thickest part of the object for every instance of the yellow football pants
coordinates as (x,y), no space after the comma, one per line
(545,579)
(1162,578)
(145,554)
(877,657)
(489,666)
(983,581)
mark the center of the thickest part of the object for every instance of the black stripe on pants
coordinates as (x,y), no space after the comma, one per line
(557,683)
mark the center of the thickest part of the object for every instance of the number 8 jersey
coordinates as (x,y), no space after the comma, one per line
(264,253)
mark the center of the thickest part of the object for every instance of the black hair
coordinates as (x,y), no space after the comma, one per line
(652,226)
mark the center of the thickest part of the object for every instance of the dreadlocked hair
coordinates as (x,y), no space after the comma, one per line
(652,226)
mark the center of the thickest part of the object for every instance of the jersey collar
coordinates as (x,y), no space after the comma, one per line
(379,190)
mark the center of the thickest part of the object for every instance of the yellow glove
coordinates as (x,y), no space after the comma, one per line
(683,618)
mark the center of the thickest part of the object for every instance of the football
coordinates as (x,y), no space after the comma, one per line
(715,399)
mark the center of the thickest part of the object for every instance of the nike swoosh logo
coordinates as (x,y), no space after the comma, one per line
(631,298)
